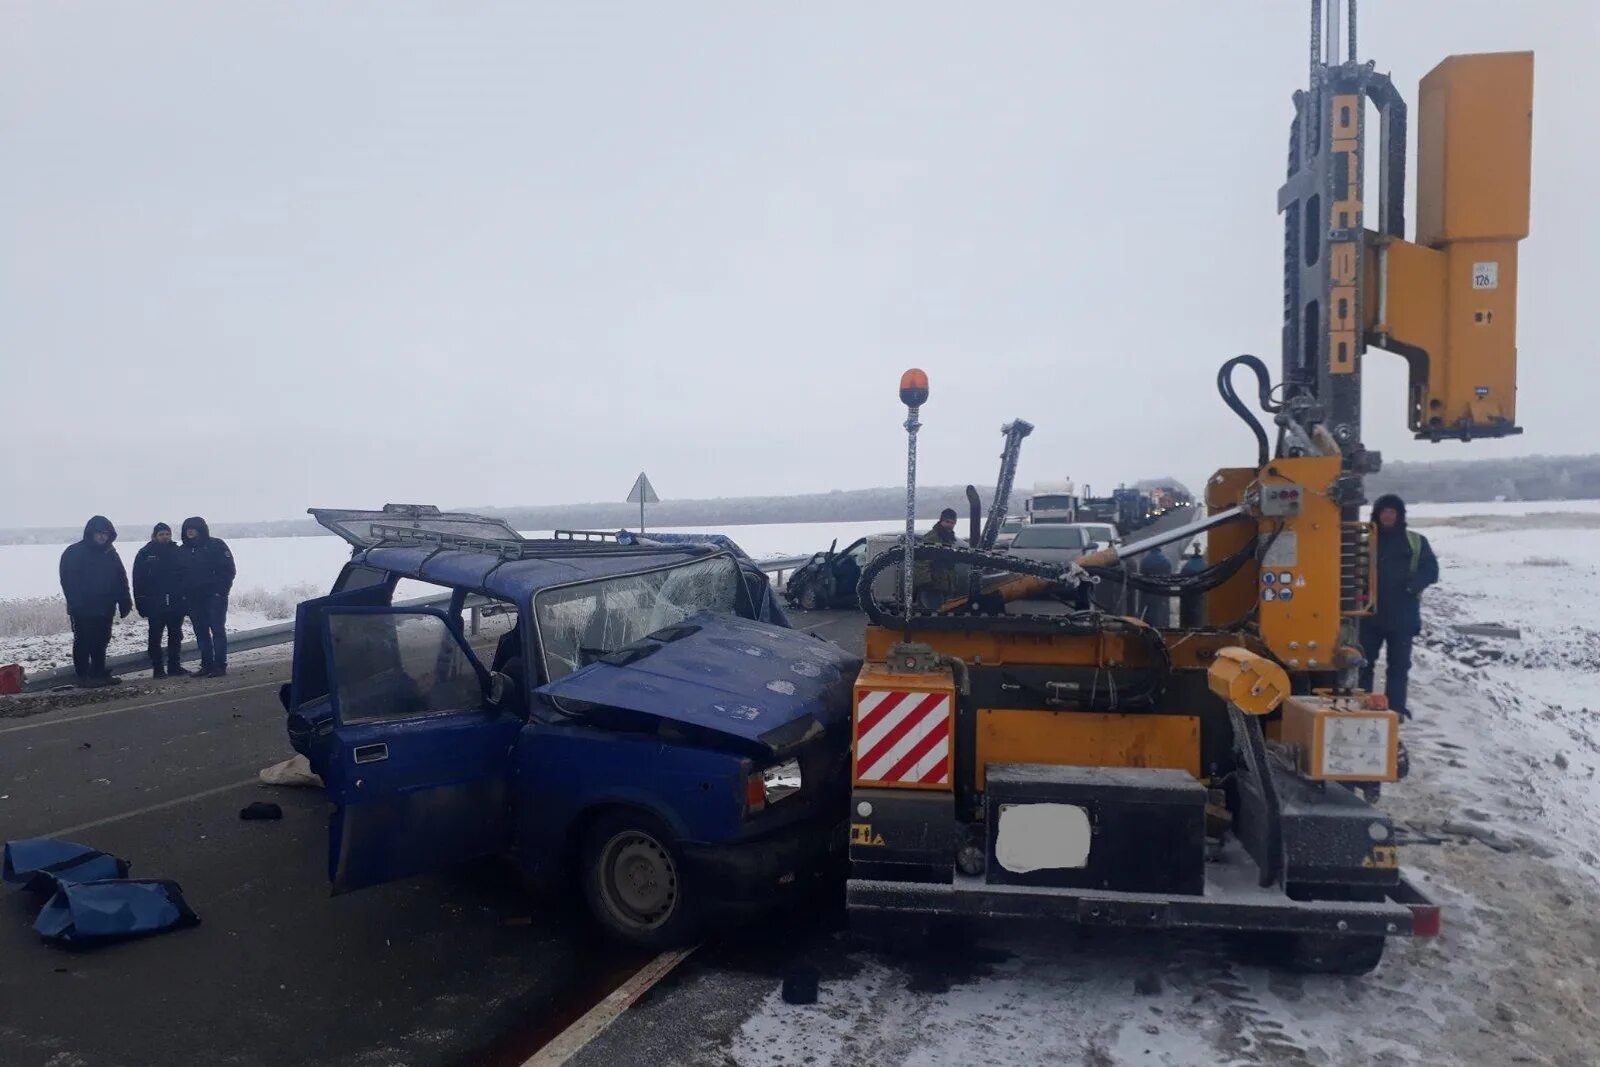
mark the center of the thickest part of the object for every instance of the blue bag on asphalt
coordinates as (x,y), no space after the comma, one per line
(83,913)
(41,864)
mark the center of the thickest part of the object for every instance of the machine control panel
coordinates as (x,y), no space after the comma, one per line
(1281,501)
(1279,585)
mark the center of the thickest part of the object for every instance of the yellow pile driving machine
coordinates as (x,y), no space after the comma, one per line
(1018,753)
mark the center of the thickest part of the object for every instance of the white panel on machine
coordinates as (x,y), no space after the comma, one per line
(1037,837)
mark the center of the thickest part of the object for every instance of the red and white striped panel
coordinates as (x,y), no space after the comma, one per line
(902,738)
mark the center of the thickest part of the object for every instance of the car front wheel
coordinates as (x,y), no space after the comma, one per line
(632,872)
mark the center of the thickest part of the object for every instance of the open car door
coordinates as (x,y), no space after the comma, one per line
(419,765)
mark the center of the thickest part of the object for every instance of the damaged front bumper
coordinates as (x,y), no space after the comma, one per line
(748,877)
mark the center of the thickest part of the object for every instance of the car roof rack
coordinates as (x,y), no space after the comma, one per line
(523,547)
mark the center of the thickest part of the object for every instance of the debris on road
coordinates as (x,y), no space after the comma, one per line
(82,913)
(41,864)
(800,985)
(1485,629)
(294,771)
(91,898)
(258,810)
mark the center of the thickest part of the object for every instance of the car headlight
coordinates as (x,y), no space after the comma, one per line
(781,781)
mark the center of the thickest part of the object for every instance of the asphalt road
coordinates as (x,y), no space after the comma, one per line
(435,970)
(462,968)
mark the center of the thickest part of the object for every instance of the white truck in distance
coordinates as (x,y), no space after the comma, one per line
(1052,502)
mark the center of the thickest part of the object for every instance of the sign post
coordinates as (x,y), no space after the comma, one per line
(642,493)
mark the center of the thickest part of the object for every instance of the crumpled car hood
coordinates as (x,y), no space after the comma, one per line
(773,686)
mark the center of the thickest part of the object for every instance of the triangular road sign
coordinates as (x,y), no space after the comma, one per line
(643,492)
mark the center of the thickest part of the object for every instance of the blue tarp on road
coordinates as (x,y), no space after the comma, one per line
(40,864)
(87,912)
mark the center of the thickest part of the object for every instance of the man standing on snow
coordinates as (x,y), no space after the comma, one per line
(156,595)
(205,576)
(1406,566)
(96,588)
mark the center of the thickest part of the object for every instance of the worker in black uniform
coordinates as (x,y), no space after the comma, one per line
(157,597)
(96,588)
(1406,566)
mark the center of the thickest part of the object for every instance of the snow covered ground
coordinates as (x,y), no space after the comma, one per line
(45,652)
(1502,816)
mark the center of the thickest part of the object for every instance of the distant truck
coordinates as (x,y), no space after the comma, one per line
(1052,502)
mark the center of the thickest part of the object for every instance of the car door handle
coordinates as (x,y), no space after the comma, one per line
(371,753)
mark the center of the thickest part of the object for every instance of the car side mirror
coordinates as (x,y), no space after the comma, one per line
(501,687)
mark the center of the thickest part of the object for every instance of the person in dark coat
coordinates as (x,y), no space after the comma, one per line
(96,588)
(1406,566)
(158,599)
(935,581)
(205,577)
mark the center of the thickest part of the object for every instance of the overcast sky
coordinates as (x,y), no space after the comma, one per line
(255,257)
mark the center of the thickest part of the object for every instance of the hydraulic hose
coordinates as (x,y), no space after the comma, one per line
(1264,395)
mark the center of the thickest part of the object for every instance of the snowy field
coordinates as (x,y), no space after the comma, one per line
(1502,819)
(274,574)
(273,563)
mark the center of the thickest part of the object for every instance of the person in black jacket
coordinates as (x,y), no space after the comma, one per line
(158,599)
(205,576)
(1406,566)
(96,588)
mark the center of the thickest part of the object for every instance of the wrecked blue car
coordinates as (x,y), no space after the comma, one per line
(649,730)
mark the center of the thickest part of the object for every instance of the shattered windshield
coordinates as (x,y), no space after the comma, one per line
(578,623)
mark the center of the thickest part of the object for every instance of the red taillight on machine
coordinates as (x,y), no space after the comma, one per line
(1426,920)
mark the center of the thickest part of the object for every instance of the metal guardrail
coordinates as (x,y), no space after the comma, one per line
(278,633)
(283,632)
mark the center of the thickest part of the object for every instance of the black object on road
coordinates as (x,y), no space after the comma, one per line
(261,809)
(800,985)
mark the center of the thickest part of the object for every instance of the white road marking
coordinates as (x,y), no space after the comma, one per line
(148,808)
(138,707)
(594,1022)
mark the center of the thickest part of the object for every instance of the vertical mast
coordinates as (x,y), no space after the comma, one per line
(1324,207)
